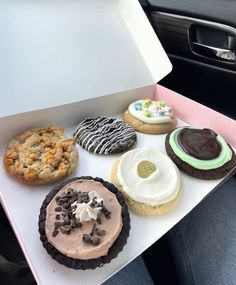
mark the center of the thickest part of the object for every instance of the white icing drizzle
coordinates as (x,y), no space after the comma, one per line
(160,187)
(84,212)
(156,114)
(103,134)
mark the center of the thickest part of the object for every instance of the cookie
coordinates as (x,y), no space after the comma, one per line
(200,153)
(150,117)
(40,156)
(104,135)
(149,180)
(84,222)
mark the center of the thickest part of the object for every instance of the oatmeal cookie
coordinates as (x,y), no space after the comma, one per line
(42,155)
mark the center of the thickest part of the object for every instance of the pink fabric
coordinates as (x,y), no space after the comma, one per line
(198,115)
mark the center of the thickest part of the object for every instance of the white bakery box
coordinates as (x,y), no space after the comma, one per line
(62,61)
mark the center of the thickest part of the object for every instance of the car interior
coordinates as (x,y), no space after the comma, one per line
(200,40)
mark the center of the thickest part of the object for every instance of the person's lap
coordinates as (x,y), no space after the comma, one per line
(134,273)
(204,242)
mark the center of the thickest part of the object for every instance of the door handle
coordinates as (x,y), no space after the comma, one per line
(214,52)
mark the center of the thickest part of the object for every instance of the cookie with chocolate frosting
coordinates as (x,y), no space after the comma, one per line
(200,153)
(103,135)
(84,222)
(150,117)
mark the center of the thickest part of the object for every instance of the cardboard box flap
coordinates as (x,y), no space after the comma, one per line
(57,52)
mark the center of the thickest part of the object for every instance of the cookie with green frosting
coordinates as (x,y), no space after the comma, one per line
(200,153)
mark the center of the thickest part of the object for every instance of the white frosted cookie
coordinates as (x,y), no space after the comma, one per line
(150,117)
(149,180)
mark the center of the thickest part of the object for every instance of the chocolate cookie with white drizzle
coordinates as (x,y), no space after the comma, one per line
(104,135)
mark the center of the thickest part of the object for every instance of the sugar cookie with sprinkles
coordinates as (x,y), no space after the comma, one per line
(103,135)
(149,181)
(150,117)
(84,223)
(200,153)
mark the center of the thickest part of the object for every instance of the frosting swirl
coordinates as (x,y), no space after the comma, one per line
(151,112)
(153,186)
(84,212)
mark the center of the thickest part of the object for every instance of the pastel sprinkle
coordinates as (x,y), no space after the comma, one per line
(147,113)
(161,103)
(138,106)
(161,113)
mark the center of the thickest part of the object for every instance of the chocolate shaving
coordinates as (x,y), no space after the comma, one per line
(66,220)
(99,220)
(91,240)
(58,198)
(86,238)
(58,209)
(58,217)
(106,212)
(69,222)
(73,224)
(95,240)
(65,229)
(70,191)
(55,232)
(93,229)
(57,225)
(99,232)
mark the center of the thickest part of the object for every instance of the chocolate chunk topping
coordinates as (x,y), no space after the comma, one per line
(55,232)
(99,220)
(58,209)
(99,232)
(58,217)
(93,229)
(199,143)
(95,240)
(57,225)
(65,229)
(86,238)
(106,212)
(68,220)
(91,239)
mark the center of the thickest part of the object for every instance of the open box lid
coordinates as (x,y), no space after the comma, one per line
(57,52)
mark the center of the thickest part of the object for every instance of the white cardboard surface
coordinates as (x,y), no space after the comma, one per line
(57,52)
(22,202)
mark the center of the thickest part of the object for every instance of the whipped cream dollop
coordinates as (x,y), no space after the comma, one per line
(148,176)
(151,112)
(84,212)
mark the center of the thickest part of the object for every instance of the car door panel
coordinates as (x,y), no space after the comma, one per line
(200,39)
